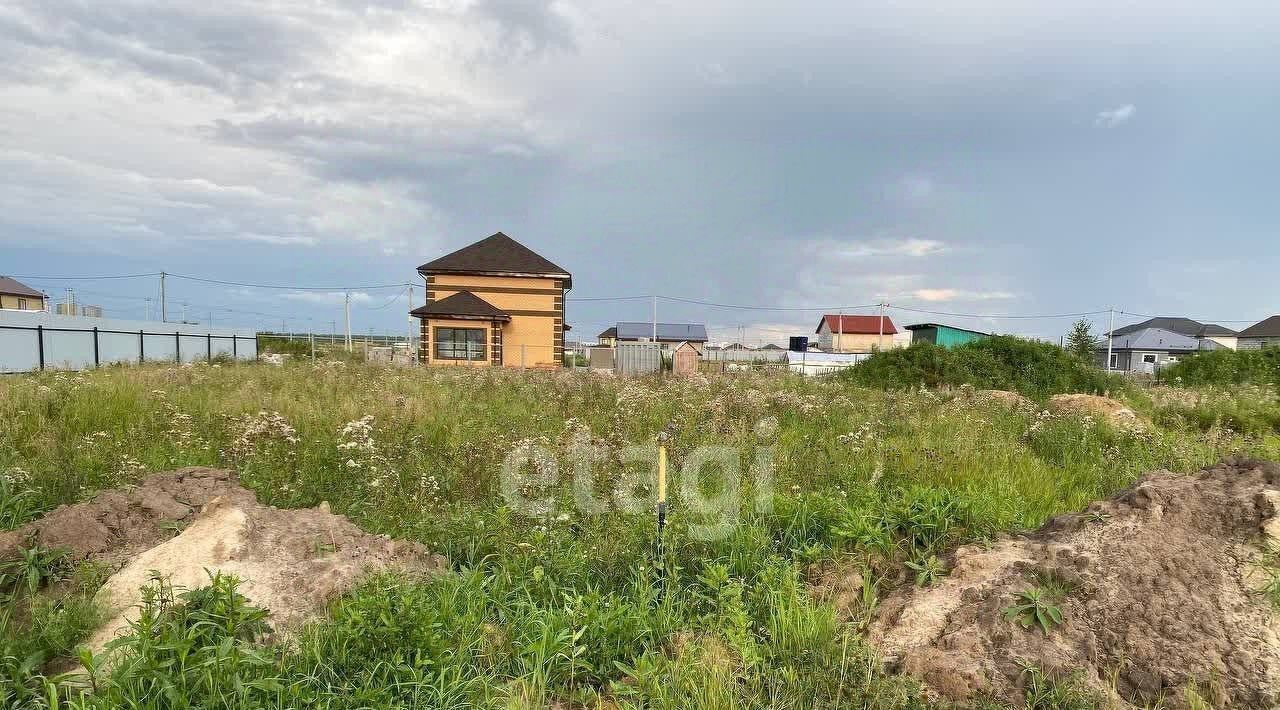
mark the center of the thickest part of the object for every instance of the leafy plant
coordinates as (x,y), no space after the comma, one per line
(33,567)
(1034,607)
(16,506)
(927,570)
(1045,692)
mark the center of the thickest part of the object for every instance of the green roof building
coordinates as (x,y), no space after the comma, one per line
(945,335)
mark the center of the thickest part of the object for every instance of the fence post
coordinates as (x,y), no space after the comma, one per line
(40,344)
(209,344)
(177,347)
(96,361)
(234,353)
(522,347)
(142,353)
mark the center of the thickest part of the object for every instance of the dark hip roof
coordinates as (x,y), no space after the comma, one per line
(667,332)
(463,305)
(1181,326)
(17,288)
(1269,328)
(610,332)
(497,255)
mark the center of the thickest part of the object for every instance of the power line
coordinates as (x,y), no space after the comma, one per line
(390,301)
(1006,316)
(87,278)
(288,288)
(741,307)
(1202,320)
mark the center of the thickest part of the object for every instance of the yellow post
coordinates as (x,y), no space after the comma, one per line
(662,474)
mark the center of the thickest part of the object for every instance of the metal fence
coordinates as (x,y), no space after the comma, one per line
(747,356)
(637,358)
(39,341)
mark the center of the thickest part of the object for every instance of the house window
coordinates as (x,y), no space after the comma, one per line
(1115,361)
(1149,358)
(22,304)
(460,344)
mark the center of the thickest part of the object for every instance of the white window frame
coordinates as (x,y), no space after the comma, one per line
(1154,357)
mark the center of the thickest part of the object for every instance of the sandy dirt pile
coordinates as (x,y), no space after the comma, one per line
(1091,405)
(1012,400)
(1161,587)
(292,562)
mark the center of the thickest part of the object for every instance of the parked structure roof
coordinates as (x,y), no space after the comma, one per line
(13,287)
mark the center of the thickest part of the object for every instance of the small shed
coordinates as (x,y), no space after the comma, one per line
(947,336)
(684,359)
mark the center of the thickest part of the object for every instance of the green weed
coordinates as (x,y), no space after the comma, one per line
(1034,607)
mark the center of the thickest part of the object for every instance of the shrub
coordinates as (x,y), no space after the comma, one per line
(1226,367)
(1000,362)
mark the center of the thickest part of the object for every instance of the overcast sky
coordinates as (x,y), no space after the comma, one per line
(962,156)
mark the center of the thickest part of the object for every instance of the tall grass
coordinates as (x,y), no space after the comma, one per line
(1226,367)
(999,362)
(565,607)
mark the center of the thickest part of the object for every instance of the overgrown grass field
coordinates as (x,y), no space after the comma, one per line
(568,607)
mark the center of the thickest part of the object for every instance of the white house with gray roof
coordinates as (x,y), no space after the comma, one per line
(1147,346)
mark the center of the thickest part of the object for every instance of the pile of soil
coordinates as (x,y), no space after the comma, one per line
(1161,583)
(1091,405)
(1012,400)
(182,523)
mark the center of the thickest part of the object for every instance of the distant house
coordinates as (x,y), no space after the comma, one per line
(947,336)
(608,337)
(17,296)
(1261,335)
(1153,343)
(495,302)
(668,333)
(771,347)
(855,334)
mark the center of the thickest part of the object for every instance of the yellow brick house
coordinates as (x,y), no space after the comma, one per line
(17,296)
(493,303)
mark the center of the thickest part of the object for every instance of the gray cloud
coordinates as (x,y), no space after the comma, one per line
(931,154)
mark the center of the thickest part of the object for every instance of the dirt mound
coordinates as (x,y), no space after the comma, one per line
(1012,400)
(1157,589)
(1091,405)
(292,562)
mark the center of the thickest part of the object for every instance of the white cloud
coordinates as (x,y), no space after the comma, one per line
(326,298)
(1115,116)
(911,247)
(941,295)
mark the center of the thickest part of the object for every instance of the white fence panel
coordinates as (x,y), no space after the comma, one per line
(67,350)
(32,340)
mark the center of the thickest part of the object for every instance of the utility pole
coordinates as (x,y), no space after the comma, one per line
(346,308)
(1111,328)
(655,319)
(880,339)
(410,342)
(839,330)
(164,311)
